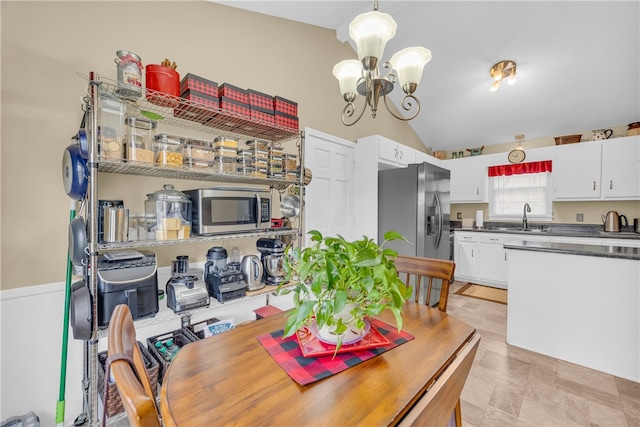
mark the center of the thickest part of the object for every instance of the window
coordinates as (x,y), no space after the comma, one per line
(511,186)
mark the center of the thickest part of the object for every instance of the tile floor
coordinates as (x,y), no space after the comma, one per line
(509,386)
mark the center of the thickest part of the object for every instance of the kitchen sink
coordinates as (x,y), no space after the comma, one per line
(517,230)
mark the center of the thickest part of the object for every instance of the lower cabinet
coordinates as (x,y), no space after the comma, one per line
(492,259)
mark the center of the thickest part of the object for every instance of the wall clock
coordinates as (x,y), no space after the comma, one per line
(516,155)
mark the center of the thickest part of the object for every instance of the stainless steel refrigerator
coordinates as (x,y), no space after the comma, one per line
(415,201)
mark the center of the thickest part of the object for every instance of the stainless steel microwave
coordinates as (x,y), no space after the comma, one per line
(230,209)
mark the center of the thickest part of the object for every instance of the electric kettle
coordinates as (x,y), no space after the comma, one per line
(613,221)
(251,268)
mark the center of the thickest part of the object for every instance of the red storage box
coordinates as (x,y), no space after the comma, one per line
(233,92)
(196,113)
(235,106)
(286,120)
(260,100)
(261,114)
(198,84)
(285,106)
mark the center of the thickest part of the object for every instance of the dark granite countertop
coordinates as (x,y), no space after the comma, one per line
(551,229)
(604,251)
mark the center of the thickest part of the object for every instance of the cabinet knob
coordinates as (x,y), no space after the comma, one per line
(610,184)
(594,185)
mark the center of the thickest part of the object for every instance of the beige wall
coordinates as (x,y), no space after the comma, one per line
(44,46)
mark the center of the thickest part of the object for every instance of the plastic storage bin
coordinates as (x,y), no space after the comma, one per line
(178,338)
(111,128)
(168,150)
(139,138)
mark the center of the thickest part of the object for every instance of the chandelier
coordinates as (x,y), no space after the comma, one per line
(502,70)
(371,31)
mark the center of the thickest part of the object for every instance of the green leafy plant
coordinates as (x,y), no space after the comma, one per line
(332,273)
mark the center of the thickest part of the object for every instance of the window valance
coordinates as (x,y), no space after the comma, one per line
(520,168)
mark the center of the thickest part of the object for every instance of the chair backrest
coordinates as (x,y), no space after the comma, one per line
(138,398)
(416,268)
(437,405)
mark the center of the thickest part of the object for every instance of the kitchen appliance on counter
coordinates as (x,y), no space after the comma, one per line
(272,257)
(185,291)
(613,221)
(414,201)
(636,225)
(252,272)
(230,209)
(127,277)
(224,280)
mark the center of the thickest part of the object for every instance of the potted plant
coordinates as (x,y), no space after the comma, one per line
(334,276)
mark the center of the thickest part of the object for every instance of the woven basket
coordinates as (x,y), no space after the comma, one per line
(567,139)
(114,404)
(197,329)
(181,337)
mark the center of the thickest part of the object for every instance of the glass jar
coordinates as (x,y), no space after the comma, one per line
(139,136)
(168,150)
(168,214)
(129,70)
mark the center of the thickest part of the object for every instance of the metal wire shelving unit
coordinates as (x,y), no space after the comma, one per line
(186,115)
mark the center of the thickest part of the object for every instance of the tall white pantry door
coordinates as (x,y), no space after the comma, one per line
(329,195)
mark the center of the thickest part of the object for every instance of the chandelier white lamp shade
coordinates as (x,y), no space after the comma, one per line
(371,31)
(409,64)
(348,72)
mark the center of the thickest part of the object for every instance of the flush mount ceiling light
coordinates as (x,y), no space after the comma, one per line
(371,31)
(502,70)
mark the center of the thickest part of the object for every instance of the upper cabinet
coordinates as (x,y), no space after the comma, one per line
(621,168)
(392,154)
(598,170)
(576,171)
(468,179)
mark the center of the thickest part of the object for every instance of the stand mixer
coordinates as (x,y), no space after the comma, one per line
(272,256)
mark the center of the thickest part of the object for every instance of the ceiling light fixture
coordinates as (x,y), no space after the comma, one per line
(371,31)
(502,70)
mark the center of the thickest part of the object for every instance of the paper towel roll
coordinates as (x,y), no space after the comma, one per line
(479,219)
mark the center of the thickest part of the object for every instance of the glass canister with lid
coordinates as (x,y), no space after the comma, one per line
(168,150)
(168,214)
(139,137)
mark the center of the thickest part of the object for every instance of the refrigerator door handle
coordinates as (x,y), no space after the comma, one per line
(440,220)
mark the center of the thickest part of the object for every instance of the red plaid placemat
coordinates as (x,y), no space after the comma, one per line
(305,370)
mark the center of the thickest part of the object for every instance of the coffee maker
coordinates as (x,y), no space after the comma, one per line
(272,256)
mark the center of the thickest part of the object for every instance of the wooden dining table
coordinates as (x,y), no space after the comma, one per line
(230,379)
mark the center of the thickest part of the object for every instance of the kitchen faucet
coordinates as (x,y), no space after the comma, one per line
(525,222)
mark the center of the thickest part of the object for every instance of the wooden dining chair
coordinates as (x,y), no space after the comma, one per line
(414,269)
(127,366)
(443,397)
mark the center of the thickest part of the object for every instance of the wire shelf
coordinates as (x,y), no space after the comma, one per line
(196,239)
(185,113)
(186,172)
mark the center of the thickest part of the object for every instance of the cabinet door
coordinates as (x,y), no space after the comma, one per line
(465,255)
(405,155)
(492,260)
(620,168)
(468,179)
(387,150)
(576,171)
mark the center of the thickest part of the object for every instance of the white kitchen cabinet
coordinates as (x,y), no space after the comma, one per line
(468,179)
(492,259)
(465,255)
(392,154)
(576,171)
(620,168)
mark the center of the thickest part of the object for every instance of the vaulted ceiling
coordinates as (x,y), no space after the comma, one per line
(578,63)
